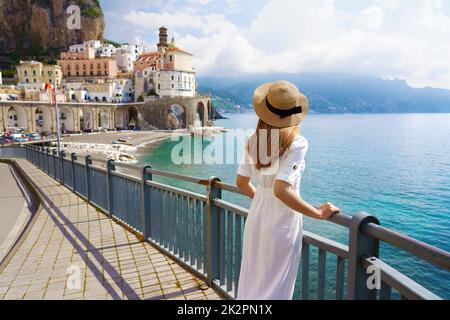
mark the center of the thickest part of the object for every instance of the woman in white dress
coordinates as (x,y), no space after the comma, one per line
(274,157)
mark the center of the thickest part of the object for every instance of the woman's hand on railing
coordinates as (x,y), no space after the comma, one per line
(327,210)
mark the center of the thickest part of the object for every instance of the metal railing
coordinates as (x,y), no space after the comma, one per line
(204,233)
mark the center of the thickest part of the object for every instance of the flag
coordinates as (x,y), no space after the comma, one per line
(49,86)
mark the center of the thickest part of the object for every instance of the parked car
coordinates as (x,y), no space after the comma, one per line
(19,138)
(4,140)
(33,137)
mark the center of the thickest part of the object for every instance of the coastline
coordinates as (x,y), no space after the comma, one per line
(101,146)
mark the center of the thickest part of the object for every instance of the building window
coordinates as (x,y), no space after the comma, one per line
(92,73)
(77,67)
(171,58)
(84,67)
(25,73)
(68,73)
(92,66)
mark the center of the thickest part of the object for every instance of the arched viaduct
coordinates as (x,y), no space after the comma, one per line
(91,117)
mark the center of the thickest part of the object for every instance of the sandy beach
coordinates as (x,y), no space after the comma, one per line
(100,145)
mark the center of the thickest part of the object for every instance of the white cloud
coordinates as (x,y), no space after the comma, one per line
(372,18)
(407,39)
(154,20)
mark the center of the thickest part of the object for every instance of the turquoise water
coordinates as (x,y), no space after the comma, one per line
(394,166)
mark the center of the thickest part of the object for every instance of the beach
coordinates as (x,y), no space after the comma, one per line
(101,146)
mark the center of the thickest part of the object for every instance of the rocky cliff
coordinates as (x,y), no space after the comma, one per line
(39,26)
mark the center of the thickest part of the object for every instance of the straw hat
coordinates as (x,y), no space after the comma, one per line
(280,104)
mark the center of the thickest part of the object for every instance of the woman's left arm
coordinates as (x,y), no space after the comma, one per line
(246,187)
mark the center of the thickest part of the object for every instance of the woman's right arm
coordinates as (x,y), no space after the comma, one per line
(246,187)
(286,194)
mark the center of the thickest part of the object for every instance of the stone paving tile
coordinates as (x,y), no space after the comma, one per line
(73,252)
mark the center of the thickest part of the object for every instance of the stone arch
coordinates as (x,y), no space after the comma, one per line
(43,119)
(66,120)
(103,118)
(131,118)
(86,119)
(176,117)
(17,118)
(210,110)
(200,113)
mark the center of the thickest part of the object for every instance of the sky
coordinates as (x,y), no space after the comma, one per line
(390,39)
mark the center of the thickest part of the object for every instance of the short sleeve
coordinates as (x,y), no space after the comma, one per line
(294,164)
(245,167)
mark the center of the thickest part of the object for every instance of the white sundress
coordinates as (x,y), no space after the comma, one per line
(273,232)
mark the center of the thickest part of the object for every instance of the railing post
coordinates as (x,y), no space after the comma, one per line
(62,156)
(361,246)
(145,199)
(213,232)
(73,158)
(110,166)
(47,155)
(41,157)
(54,163)
(88,161)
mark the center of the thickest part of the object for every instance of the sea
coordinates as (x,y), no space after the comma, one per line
(393,166)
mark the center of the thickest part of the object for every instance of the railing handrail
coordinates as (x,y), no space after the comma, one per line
(363,224)
(413,246)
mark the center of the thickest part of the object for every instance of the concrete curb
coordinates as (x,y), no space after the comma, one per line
(26,218)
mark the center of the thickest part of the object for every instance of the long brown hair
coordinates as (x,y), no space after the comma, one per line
(286,138)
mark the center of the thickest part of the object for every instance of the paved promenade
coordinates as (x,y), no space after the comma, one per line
(104,260)
(12,202)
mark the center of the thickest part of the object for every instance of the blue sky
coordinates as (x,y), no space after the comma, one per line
(407,39)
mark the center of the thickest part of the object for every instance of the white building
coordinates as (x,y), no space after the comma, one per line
(75,93)
(169,72)
(126,55)
(174,83)
(116,91)
(94,44)
(122,90)
(177,73)
(77,48)
(1,79)
(107,50)
(100,49)
(125,61)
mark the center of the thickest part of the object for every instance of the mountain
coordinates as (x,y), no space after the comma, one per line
(333,93)
(37,29)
